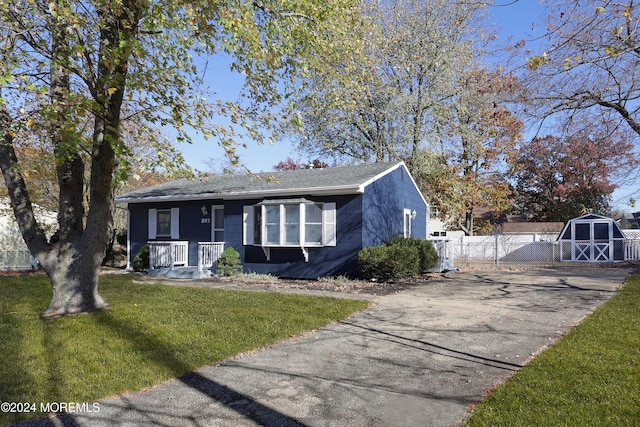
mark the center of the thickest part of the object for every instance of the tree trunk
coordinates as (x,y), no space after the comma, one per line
(73,256)
(75,268)
(74,275)
(72,266)
(69,259)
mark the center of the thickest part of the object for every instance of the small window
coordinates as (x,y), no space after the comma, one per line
(407,223)
(433,212)
(257,225)
(313,223)
(272,224)
(292,224)
(163,225)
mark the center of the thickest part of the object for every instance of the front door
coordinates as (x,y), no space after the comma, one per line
(217,223)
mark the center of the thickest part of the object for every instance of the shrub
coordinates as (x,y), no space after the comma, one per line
(373,263)
(426,251)
(388,262)
(229,262)
(397,259)
(404,261)
(141,260)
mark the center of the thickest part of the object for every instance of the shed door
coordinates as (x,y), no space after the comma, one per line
(592,241)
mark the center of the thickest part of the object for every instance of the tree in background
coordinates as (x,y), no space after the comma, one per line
(414,90)
(482,135)
(382,103)
(559,178)
(290,164)
(145,166)
(72,71)
(589,67)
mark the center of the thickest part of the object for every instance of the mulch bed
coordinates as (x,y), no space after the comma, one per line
(357,287)
(337,285)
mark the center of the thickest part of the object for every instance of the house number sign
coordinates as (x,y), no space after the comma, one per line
(206,219)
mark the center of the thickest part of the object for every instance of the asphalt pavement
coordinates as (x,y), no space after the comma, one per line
(421,357)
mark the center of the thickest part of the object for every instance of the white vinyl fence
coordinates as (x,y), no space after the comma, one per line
(525,250)
(14,254)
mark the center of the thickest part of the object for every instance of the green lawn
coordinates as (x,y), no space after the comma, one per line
(150,334)
(589,378)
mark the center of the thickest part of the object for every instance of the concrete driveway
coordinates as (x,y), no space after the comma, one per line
(421,357)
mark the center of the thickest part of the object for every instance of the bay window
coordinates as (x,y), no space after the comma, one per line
(290,223)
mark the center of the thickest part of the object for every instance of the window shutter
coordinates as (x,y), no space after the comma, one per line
(247,225)
(153,227)
(329,224)
(175,223)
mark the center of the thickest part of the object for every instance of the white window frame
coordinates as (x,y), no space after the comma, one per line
(328,237)
(434,212)
(153,224)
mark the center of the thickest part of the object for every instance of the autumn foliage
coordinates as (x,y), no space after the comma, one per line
(291,164)
(559,178)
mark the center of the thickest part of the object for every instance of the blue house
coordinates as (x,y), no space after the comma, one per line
(305,223)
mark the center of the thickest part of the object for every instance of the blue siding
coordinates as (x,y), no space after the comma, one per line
(192,228)
(362,220)
(289,262)
(284,262)
(384,203)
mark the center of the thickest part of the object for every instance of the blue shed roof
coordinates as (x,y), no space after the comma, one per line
(325,181)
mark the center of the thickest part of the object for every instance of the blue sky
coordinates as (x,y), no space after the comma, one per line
(522,19)
(512,20)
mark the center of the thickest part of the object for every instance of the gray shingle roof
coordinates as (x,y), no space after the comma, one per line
(327,181)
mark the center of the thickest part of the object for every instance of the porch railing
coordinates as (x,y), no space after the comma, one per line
(172,254)
(168,254)
(208,254)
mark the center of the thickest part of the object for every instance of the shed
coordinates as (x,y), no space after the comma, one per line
(592,238)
